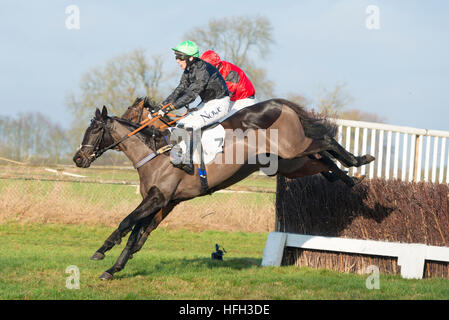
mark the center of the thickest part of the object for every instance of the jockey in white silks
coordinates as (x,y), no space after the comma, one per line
(198,79)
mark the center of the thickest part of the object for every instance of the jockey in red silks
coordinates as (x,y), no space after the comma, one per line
(240,87)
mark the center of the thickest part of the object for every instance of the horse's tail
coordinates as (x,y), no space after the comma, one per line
(315,126)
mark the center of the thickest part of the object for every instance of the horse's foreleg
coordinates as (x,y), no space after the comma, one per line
(152,225)
(153,199)
(126,253)
(137,239)
(140,218)
(110,242)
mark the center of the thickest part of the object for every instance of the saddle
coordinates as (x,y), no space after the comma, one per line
(211,144)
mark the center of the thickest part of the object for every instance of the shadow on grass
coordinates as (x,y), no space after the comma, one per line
(180,266)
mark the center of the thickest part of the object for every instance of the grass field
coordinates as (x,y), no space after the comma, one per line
(175,264)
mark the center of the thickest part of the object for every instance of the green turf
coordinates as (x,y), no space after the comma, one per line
(175,264)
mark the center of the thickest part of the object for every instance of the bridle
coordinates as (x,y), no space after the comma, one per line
(97,152)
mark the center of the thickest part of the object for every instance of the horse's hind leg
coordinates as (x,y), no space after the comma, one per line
(340,153)
(343,176)
(346,157)
(336,172)
(330,176)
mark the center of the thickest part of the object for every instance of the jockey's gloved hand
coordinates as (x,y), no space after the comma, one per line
(163,112)
(158,110)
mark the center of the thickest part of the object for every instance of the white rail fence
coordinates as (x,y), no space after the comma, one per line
(411,256)
(405,153)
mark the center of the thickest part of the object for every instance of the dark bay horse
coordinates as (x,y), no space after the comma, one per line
(313,164)
(163,186)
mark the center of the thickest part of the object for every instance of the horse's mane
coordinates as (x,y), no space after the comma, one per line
(315,125)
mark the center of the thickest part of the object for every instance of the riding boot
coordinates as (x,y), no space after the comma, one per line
(180,158)
(188,159)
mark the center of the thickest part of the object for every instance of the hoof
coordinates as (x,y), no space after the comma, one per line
(366,159)
(97,256)
(370,158)
(106,276)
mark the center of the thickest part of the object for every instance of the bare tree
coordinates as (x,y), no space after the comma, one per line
(358,115)
(32,137)
(299,99)
(239,40)
(116,85)
(332,102)
(57,146)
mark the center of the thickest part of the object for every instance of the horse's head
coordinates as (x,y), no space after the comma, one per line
(139,110)
(96,137)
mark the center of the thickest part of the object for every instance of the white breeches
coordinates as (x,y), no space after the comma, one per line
(238,105)
(207,113)
(242,103)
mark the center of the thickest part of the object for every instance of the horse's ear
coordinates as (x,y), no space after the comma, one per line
(97,114)
(104,112)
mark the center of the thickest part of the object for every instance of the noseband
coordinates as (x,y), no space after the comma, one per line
(96,145)
(97,152)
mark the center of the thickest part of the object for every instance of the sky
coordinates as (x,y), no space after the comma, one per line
(398,71)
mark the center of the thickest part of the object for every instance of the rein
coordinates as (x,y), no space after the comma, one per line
(98,153)
(145,123)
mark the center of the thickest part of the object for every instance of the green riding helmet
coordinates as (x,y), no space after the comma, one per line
(188,48)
